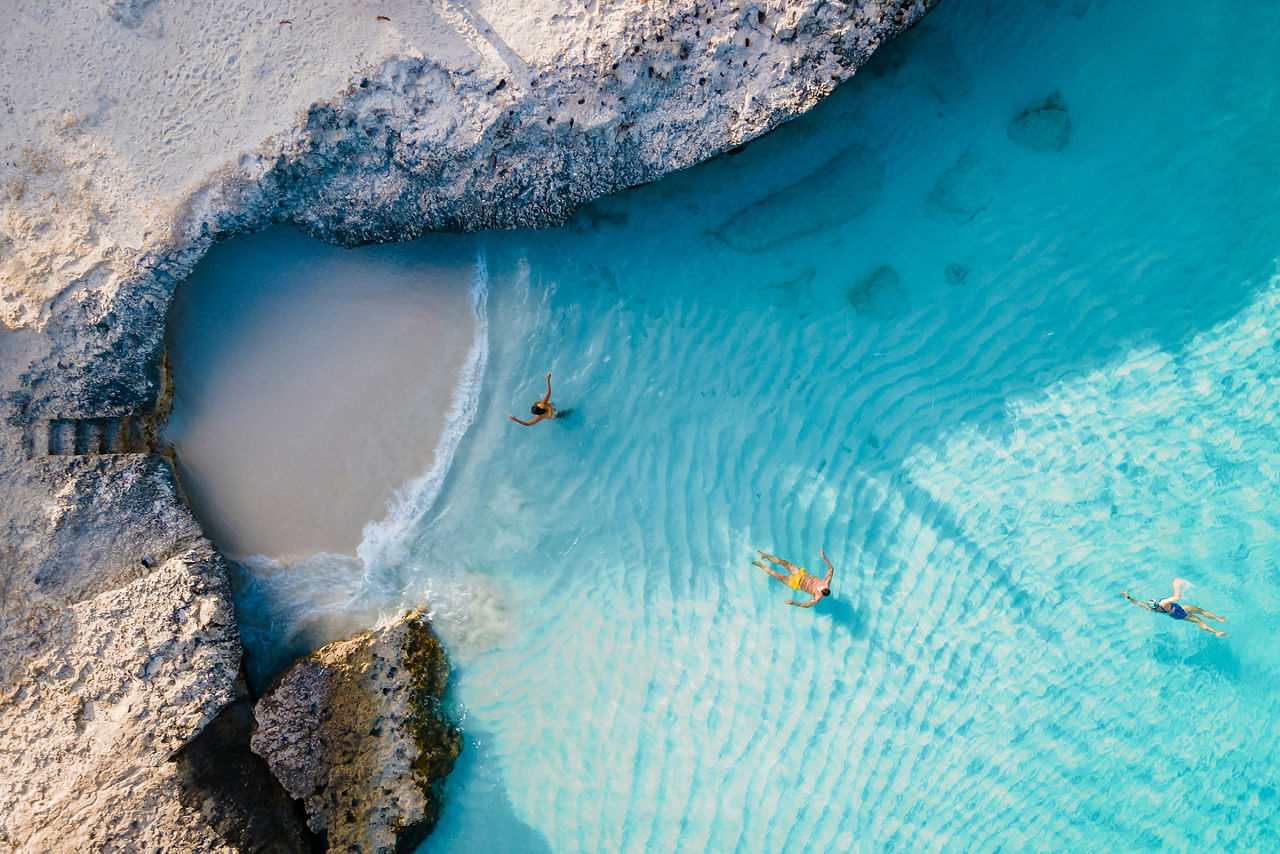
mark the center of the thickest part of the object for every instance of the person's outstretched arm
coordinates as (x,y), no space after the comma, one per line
(1178,585)
(808,604)
(525,423)
(547,398)
(831,570)
(1125,594)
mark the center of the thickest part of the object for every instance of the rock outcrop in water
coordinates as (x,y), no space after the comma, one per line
(135,135)
(879,295)
(357,732)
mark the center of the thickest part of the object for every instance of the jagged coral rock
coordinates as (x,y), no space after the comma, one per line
(357,733)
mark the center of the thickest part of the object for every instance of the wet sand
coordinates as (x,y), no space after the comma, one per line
(310,383)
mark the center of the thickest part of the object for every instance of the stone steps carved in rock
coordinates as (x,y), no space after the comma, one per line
(78,436)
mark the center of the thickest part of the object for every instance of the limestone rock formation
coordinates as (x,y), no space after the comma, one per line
(356,731)
(109,663)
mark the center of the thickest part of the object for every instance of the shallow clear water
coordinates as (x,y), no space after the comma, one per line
(1000,379)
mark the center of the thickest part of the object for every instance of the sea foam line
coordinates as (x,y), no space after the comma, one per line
(384,543)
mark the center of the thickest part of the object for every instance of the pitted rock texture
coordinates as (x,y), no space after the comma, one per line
(209,120)
(107,666)
(356,731)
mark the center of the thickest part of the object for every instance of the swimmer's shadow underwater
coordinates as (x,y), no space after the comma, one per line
(843,616)
(1217,659)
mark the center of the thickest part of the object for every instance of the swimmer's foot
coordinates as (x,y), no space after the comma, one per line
(1218,633)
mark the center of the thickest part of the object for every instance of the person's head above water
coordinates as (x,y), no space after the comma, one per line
(538,409)
(826,591)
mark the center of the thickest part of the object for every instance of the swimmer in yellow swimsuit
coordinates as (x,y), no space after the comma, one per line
(800,579)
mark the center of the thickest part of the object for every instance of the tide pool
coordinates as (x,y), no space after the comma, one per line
(996,326)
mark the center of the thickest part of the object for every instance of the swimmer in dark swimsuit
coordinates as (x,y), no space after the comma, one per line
(543,409)
(799,579)
(1169,605)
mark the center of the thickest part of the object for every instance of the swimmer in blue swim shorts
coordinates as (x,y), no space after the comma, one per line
(1169,605)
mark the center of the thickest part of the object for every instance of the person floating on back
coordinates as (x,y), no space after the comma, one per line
(1169,605)
(543,409)
(799,579)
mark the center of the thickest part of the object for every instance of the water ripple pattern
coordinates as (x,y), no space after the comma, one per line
(996,326)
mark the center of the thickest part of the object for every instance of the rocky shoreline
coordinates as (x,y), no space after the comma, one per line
(118,644)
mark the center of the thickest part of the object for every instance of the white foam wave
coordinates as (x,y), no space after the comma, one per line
(384,543)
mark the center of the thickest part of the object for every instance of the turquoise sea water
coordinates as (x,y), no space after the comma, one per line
(1000,368)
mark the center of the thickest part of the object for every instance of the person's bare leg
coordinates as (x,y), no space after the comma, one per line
(790,567)
(1196,609)
(776,575)
(1192,618)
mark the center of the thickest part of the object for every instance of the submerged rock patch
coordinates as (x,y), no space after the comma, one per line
(957,274)
(1043,128)
(796,293)
(879,296)
(963,191)
(819,200)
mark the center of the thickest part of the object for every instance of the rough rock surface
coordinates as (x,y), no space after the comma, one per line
(235,792)
(107,666)
(134,133)
(207,120)
(357,733)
